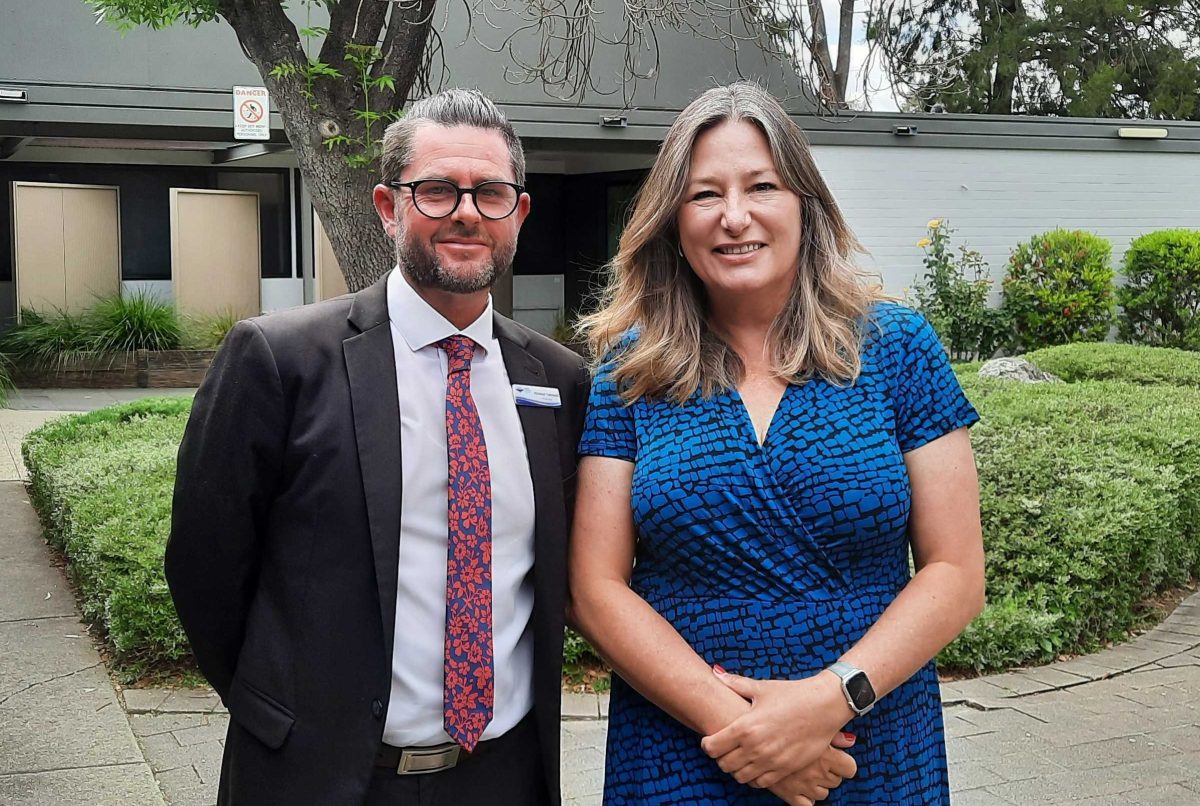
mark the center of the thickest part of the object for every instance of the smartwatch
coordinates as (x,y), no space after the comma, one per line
(860,695)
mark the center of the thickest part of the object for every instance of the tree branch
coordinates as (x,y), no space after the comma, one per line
(266,34)
(841,76)
(352,22)
(405,52)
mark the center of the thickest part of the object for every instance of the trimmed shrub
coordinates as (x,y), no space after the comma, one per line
(1081,524)
(953,295)
(102,485)
(1120,362)
(1059,289)
(1160,300)
(1090,498)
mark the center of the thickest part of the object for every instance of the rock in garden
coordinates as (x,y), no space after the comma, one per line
(1016,369)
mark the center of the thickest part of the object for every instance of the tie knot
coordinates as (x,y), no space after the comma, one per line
(460,350)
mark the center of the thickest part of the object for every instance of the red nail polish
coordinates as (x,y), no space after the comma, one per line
(848,736)
(718,668)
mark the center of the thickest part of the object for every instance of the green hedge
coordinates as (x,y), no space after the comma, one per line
(102,484)
(1090,495)
(1160,299)
(1059,289)
(1120,362)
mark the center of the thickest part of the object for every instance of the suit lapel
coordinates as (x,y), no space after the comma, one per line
(371,368)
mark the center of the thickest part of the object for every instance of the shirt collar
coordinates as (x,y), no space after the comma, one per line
(420,325)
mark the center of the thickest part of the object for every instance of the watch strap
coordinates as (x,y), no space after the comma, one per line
(843,670)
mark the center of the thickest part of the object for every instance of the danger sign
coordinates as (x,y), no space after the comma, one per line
(251,113)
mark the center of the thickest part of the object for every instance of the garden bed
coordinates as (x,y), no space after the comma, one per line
(139,369)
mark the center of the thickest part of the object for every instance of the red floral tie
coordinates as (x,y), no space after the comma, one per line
(467,694)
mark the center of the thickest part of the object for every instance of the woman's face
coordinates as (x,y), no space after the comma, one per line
(739,225)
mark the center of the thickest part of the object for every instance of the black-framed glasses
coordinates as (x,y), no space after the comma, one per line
(438,198)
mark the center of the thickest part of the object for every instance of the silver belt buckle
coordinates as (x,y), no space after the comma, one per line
(419,760)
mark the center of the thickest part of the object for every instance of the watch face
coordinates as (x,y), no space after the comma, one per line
(860,691)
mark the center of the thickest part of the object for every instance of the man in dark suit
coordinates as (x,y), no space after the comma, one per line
(356,553)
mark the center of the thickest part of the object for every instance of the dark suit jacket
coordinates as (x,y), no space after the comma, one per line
(285,534)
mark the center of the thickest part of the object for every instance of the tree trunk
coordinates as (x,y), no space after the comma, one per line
(819,46)
(1009,20)
(341,193)
(845,37)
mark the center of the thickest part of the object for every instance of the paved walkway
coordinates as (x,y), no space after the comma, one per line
(1118,727)
(64,738)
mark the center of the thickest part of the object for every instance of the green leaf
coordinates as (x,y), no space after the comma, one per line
(284,70)
(337,140)
(324,70)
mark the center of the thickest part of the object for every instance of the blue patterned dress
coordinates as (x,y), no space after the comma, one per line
(775,560)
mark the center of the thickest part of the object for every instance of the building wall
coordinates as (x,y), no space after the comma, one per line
(997,198)
(145,211)
(182,76)
(58,41)
(1017,177)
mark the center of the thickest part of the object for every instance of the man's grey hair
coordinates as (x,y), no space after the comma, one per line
(452,107)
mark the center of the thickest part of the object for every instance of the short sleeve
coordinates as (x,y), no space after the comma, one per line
(929,399)
(609,428)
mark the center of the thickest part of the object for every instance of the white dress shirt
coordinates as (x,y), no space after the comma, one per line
(414,715)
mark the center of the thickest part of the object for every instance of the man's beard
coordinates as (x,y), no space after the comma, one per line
(424,267)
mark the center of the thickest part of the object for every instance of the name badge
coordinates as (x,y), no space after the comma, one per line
(545,397)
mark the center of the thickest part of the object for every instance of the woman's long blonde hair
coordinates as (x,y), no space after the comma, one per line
(652,290)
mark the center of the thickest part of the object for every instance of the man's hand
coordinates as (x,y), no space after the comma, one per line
(789,727)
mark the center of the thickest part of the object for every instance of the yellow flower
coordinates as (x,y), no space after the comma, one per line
(933,223)
(924,242)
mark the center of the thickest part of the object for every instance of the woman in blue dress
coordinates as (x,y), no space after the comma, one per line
(768,439)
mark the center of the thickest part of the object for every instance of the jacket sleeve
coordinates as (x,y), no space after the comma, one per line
(226,475)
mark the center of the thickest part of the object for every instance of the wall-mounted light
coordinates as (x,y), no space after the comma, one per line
(904,131)
(1142,133)
(9,95)
(614,121)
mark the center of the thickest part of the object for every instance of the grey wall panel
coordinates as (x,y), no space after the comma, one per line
(996,199)
(175,83)
(59,41)
(687,66)
(34,37)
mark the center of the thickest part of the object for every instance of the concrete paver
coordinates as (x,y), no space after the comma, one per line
(64,738)
(119,785)
(14,426)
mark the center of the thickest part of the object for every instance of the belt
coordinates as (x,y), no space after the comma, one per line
(439,757)
(433,758)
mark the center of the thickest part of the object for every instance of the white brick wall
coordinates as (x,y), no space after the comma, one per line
(995,199)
